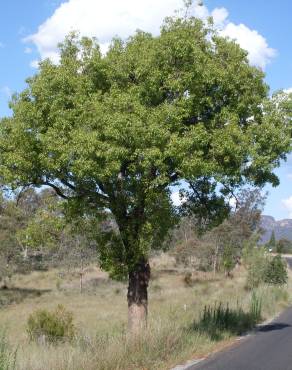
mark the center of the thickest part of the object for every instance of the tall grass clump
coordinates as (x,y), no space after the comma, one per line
(219,319)
(7,355)
(45,326)
(256,305)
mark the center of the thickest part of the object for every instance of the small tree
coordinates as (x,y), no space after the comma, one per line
(284,246)
(271,245)
(276,271)
(256,261)
(228,259)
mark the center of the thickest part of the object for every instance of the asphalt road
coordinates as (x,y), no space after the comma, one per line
(270,348)
(289,261)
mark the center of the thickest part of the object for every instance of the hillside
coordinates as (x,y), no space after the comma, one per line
(282,228)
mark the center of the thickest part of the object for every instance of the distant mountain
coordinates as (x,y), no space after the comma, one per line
(282,228)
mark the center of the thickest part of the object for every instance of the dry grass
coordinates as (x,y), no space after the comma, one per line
(101,312)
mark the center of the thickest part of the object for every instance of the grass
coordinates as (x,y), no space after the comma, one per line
(182,319)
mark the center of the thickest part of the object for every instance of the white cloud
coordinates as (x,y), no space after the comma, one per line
(176,198)
(34,64)
(106,19)
(103,19)
(6,91)
(220,16)
(289,176)
(233,203)
(287,203)
(288,91)
(259,53)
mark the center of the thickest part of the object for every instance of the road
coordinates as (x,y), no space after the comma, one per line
(270,348)
(289,261)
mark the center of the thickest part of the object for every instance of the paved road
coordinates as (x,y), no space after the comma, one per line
(269,349)
(289,261)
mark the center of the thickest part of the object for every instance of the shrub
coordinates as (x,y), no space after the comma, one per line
(188,279)
(256,262)
(43,325)
(276,271)
(228,259)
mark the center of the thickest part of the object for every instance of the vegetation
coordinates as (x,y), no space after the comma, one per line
(219,319)
(88,163)
(7,354)
(276,271)
(284,246)
(221,248)
(111,134)
(44,326)
(101,340)
(257,263)
(272,244)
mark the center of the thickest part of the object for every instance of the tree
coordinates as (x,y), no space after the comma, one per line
(271,245)
(112,133)
(284,246)
(243,223)
(276,271)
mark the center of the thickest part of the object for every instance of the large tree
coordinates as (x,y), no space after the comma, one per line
(112,133)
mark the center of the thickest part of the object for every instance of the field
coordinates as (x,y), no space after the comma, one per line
(100,316)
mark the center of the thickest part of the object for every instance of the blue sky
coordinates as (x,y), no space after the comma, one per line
(30,30)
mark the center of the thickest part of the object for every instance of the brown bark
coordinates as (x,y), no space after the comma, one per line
(138,296)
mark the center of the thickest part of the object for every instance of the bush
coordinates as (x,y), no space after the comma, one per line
(228,259)
(276,271)
(43,325)
(256,262)
(188,279)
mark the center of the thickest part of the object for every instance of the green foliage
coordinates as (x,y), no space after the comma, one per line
(272,242)
(228,259)
(256,307)
(51,326)
(256,261)
(114,132)
(284,246)
(276,271)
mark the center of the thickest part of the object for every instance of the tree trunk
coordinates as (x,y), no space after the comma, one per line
(138,296)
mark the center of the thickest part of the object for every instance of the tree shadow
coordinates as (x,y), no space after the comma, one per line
(216,322)
(272,327)
(14,295)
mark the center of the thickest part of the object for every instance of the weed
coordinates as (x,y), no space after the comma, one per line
(44,326)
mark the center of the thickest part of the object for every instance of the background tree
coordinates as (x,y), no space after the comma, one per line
(276,271)
(271,245)
(112,133)
(284,246)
